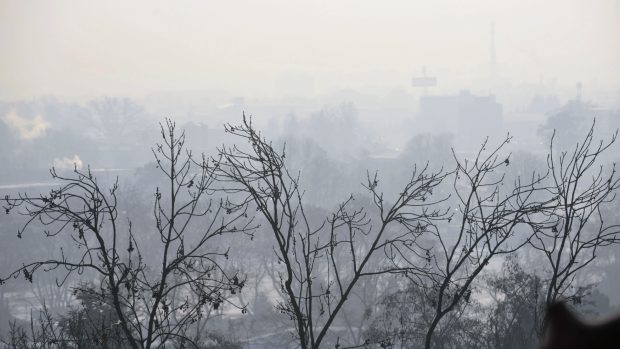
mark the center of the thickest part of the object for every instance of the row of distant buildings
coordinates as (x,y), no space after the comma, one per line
(469,117)
(472,118)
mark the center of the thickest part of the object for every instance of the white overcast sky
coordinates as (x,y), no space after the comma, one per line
(88,48)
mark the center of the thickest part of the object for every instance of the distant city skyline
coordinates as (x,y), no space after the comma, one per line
(276,48)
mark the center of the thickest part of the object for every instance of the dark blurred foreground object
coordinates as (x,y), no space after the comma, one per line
(565,330)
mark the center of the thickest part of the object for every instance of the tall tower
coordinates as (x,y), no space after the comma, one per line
(492,58)
(617,23)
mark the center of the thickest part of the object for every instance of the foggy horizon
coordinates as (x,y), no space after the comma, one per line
(272,49)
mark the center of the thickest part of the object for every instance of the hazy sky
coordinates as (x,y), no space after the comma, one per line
(263,48)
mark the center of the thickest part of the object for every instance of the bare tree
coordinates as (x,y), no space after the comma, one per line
(43,333)
(322,263)
(557,212)
(576,229)
(155,304)
(116,120)
(45,290)
(490,219)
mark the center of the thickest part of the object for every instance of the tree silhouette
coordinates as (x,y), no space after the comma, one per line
(156,303)
(575,228)
(490,219)
(322,264)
